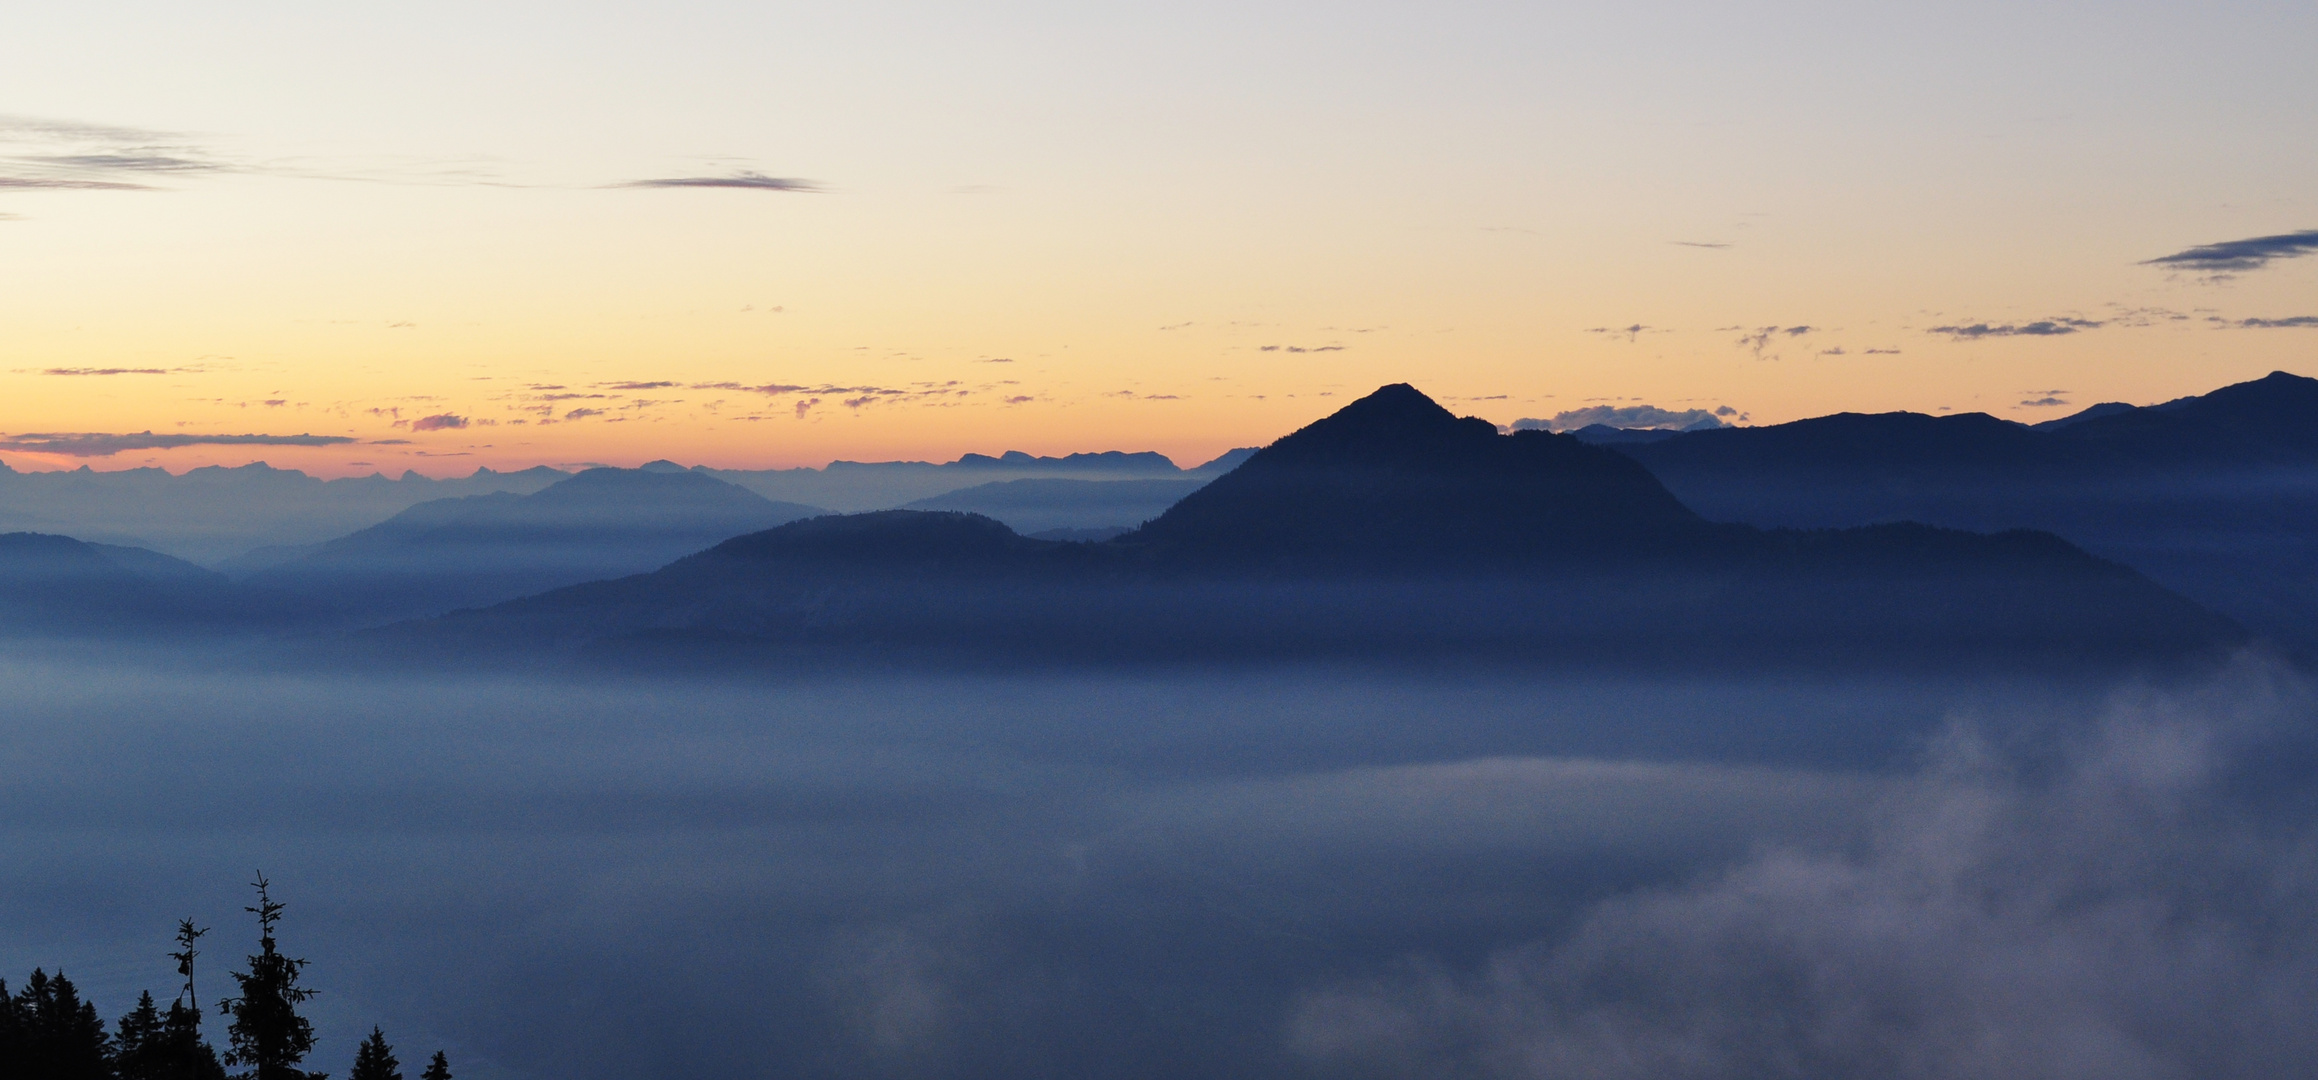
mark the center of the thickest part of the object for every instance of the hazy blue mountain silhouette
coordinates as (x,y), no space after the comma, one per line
(1391,529)
(2215,496)
(452,553)
(213,513)
(1030,506)
(58,585)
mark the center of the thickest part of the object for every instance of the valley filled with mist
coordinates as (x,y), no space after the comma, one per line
(1299,873)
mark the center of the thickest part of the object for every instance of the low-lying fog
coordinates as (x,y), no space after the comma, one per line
(1305,874)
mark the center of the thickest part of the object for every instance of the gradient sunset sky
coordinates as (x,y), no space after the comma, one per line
(755,235)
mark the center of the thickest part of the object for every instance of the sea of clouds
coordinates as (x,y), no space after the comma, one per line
(1295,874)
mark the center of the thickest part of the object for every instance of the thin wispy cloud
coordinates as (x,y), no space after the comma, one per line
(144,163)
(53,183)
(439,422)
(77,371)
(2237,256)
(1697,244)
(744,181)
(58,155)
(2290,322)
(1758,339)
(100,444)
(2053,327)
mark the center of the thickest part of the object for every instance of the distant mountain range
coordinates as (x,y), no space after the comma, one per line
(244,518)
(1391,529)
(855,486)
(210,514)
(56,585)
(2215,496)
(481,549)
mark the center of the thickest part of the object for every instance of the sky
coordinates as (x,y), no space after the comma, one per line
(423,235)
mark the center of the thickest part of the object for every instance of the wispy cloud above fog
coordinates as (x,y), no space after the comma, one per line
(63,155)
(743,180)
(2237,256)
(78,371)
(2123,917)
(2053,327)
(100,444)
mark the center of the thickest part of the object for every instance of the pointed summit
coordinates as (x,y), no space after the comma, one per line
(1395,478)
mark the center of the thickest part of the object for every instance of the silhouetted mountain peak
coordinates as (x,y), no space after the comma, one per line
(1394,477)
(1397,425)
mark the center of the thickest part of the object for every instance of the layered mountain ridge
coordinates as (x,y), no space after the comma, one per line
(1391,528)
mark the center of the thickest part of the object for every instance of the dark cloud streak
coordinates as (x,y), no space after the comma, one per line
(100,444)
(2054,327)
(2231,256)
(743,181)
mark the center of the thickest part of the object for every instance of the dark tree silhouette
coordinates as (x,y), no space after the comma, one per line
(12,1033)
(153,1045)
(187,934)
(50,1033)
(269,1037)
(438,1069)
(136,1040)
(374,1059)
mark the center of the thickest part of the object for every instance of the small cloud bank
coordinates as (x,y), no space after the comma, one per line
(439,422)
(2235,256)
(2288,323)
(104,371)
(98,444)
(1630,417)
(2053,327)
(2129,906)
(743,181)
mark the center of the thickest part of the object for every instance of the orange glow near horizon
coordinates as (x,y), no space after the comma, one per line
(1180,231)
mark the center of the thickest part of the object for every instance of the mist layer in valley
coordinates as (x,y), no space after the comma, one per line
(1305,872)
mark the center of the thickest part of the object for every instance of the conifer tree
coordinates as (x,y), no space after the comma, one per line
(374,1059)
(138,1041)
(60,1037)
(186,1055)
(153,1045)
(438,1069)
(269,1038)
(12,1032)
(187,934)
